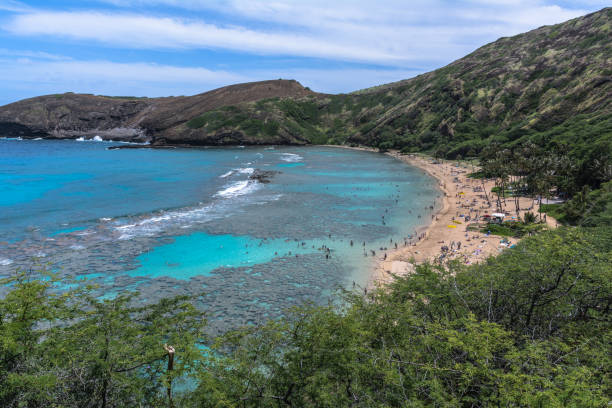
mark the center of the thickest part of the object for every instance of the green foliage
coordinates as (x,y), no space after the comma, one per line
(529,217)
(588,208)
(525,288)
(270,128)
(514,229)
(232,117)
(200,121)
(71,349)
(300,111)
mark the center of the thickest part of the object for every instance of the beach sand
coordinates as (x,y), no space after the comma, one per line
(461,196)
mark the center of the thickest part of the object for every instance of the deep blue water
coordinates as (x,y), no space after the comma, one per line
(176,221)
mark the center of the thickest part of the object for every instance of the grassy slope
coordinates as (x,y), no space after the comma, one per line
(551,86)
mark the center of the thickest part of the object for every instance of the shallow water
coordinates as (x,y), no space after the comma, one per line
(177,221)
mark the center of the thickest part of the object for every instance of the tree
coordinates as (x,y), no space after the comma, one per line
(72,349)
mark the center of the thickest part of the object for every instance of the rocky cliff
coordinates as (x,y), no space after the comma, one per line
(161,120)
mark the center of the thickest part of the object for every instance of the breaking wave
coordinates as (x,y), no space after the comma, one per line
(96,138)
(245,170)
(237,189)
(291,157)
(153,225)
(5,262)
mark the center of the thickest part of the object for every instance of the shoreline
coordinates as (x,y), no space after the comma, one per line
(446,235)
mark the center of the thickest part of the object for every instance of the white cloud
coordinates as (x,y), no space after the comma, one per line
(393,33)
(323,15)
(154,32)
(14,6)
(31,77)
(32,54)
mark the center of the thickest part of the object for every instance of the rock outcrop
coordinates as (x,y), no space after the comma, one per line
(159,120)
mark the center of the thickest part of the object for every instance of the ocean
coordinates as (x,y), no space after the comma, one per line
(197,221)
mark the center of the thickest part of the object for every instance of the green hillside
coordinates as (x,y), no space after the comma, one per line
(551,86)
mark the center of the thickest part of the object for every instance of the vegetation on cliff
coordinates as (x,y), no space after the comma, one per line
(550,86)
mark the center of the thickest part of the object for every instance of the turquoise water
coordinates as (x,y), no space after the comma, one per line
(167,222)
(201,253)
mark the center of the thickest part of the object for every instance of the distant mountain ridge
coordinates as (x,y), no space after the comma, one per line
(551,86)
(69,115)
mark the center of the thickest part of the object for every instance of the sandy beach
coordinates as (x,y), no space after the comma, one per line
(463,203)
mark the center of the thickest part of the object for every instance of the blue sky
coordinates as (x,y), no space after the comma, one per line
(184,47)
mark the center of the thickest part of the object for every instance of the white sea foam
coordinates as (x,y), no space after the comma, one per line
(96,138)
(77,247)
(127,226)
(244,170)
(291,157)
(38,138)
(5,261)
(153,225)
(185,218)
(132,143)
(237,189)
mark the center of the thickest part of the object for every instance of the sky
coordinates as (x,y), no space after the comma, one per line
(184,47)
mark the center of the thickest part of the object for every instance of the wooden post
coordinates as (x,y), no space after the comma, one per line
(170,351)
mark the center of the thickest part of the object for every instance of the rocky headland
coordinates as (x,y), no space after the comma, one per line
(160,121)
